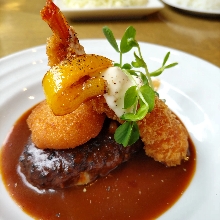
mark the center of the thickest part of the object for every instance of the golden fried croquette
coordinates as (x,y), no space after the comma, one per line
(68,131)
(164,136)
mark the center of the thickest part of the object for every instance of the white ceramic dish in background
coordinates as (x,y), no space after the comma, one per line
(192,9)
(110,13)
(191,89)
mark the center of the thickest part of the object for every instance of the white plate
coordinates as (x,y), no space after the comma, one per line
(198,11)
(192,90)
(110,13)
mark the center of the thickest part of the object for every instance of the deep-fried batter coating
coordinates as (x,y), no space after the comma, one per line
(68,131)
(164,136)
(100,106)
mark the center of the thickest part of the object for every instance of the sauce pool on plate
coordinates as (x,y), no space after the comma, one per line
(140,188)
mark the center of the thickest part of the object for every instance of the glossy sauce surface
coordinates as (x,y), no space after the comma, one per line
(138,189)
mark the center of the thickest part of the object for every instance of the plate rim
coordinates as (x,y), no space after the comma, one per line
(42,48)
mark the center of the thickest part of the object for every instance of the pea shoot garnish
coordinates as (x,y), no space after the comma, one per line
(139,98)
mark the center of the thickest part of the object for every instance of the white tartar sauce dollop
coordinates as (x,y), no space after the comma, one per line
(117,84)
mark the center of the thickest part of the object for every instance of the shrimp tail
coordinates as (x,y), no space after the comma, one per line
(64,42)
(55,19)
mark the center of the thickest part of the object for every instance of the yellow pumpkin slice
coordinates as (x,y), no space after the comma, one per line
(74,81)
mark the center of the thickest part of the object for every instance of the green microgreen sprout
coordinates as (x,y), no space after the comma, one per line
(140,98)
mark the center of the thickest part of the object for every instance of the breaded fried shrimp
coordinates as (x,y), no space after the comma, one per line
(68,131)
(164,136)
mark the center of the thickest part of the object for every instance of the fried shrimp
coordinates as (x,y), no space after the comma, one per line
(164,136)
(64,42)
(68,131)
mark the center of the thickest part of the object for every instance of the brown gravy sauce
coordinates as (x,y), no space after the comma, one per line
(138,189)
